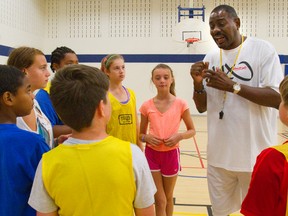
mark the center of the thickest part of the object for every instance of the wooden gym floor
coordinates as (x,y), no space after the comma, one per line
(191,191)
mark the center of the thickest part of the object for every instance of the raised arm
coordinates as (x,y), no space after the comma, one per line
(199,95)
(262,96)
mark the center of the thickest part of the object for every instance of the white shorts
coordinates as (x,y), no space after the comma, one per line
(227,189)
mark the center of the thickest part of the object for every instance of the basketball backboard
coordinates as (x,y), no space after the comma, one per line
(191,28)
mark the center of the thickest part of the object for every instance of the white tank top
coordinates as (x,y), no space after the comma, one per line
(44,127)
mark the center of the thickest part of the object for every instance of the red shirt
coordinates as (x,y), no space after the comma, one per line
(267,194)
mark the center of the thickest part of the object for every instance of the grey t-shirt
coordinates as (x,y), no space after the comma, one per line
(145,187)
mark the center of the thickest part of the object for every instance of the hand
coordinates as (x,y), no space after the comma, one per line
(62,138)
(173,140)
(197,71)
(218,79)
(153,140)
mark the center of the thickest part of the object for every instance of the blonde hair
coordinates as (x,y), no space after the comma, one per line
(283,88)
(164,66)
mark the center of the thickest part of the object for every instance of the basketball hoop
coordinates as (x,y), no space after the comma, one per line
(191,40)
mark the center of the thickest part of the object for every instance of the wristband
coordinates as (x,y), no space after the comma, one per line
(202,91)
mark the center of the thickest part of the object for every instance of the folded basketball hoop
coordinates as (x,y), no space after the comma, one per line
(191,40)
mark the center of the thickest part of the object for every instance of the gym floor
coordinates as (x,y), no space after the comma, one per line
(191,191)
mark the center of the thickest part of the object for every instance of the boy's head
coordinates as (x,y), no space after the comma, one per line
(76,92)
(283,108)
(15,91)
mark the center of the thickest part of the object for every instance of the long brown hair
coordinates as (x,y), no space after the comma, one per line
(23,57)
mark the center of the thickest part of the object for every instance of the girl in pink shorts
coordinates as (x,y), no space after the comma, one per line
(163,114)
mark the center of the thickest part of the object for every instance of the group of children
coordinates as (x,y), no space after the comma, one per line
(162,140)
(99,168)
(94,117)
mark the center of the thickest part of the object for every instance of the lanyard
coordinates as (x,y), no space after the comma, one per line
(221,113)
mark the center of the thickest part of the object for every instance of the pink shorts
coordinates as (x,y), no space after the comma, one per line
(166,162)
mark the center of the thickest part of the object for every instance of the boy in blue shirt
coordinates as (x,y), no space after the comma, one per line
(20,151)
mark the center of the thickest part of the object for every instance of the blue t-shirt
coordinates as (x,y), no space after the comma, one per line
(20,153)
(47,108)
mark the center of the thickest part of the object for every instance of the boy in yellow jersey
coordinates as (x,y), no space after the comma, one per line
(91,173)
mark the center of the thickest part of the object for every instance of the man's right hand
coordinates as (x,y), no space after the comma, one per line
(197,71)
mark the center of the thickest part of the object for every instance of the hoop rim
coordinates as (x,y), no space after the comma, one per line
(192,40)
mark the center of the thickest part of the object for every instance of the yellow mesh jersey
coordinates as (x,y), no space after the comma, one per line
(91,179)
(47,88)
(123,124)
(284,150)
